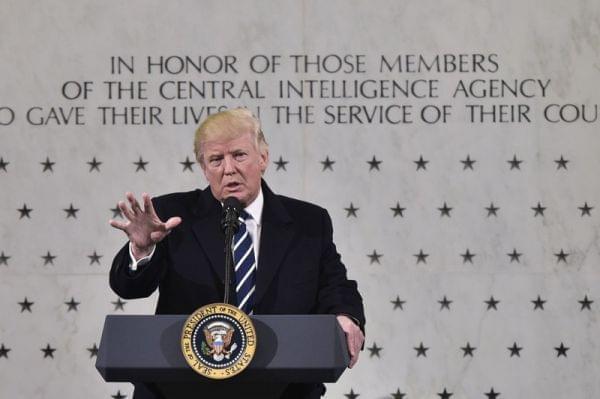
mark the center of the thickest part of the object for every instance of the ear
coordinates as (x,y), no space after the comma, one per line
(200,160)
(264,159)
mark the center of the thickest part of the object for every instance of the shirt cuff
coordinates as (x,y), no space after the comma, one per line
(133,265)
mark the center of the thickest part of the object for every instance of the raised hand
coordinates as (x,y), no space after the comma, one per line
(143,227)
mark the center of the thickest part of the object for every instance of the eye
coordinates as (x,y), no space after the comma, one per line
(215,160)
(240,155)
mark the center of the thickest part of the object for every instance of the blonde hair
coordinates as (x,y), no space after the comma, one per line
(226,125)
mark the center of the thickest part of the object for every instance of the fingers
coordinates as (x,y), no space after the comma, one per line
(128,213)
(358,343)
(172,223)
(352,350)
(135,205)
(135,208)
(143,224)
(353,361)
(117,224)
(165,228)
(355,341)
(148,207)
(354,337)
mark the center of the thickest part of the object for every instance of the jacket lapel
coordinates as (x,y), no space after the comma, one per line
(277,233)
(207,229)
(275,238)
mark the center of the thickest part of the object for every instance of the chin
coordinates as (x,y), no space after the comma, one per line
(242,197)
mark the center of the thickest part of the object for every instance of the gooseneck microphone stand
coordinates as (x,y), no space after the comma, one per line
(230,224)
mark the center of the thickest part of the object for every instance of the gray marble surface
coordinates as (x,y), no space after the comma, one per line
(46,44)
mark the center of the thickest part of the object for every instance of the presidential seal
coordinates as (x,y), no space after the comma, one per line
(218,341)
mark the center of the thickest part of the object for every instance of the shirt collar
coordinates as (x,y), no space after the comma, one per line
(256,207)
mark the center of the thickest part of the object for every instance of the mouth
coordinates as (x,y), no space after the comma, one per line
(233,186)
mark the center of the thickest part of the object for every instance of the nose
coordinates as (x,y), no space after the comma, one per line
(228,165)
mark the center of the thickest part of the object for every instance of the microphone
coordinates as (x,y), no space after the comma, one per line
(230,224)
(231,213)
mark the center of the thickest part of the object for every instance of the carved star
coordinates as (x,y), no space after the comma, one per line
(374,163)
(374,257)
(468,350)
(561,256)
(281,164)
(48,351)
(48,258)
(467,256)
(585,209)
(327,164)
(515,350)
(47,165)
(26,305)
(93,351)
(444,210)
(514,256)
(119,395)
(398,210)
(561,350)
(94,258)
(374,350)
(351,210)
(72,304)
(94,164)
(561,163)
(3,164)
(491,210)
(398,303)
(491,303)
(119,304)
(586,303)
(187,164)
(491,394)
(515,163)
(421,163)
(445,303)
(445,394)
(25,212)
(539,210)
(398,394)
(421,257)
(468,163)
(4,351)
(421,350)
(4,259)
(351,395)
(140,165)
(116,212)
(71,211)
(538,303)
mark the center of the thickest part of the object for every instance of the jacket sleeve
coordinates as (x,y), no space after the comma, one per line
(129,284)
(337,294)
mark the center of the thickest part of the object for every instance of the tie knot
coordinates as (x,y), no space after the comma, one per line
(245,215)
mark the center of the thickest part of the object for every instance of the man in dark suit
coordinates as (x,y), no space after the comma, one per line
(176,244)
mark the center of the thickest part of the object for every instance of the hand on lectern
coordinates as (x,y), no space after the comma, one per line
(354,337)
(143,226)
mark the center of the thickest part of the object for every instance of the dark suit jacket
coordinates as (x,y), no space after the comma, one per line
(299,270)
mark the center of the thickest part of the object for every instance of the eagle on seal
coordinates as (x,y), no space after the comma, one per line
(219,341)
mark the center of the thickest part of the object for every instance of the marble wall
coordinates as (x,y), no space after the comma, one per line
(455,145)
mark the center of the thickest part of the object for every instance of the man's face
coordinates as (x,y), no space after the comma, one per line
(234,167)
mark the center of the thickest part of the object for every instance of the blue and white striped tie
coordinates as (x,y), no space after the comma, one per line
(245,266)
